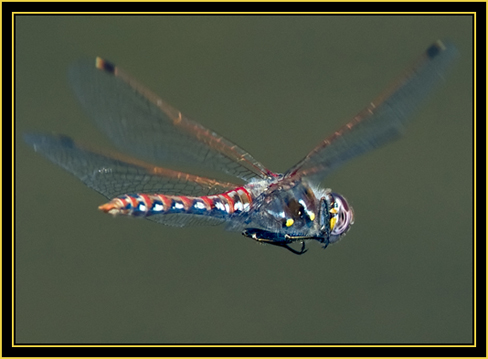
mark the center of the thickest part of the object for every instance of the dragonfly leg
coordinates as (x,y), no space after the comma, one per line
(275,243)
(284,245)
(301,251)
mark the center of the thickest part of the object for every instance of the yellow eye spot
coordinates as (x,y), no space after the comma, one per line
(311,216)
(333,222)
(289,222)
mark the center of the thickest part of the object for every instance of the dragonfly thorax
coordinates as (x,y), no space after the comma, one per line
(291,207)
(290,211)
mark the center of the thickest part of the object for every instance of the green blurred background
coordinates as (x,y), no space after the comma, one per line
(276,86)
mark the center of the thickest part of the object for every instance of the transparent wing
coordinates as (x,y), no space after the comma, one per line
(383,120)
(140,123)
(115,174)
(185,220)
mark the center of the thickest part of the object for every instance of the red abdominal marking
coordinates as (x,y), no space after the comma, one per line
(142,204)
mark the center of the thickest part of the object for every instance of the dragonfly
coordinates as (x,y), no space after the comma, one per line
(282,209)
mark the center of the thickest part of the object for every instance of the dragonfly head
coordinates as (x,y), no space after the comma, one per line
(337,217)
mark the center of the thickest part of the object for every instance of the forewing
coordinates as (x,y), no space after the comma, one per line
(140,123)
(384,119)
(115,174)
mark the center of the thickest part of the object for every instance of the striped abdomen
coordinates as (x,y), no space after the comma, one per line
(221,205)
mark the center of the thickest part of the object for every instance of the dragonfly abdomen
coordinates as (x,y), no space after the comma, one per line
(225,204)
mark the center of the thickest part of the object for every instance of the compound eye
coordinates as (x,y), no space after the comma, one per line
(341,215)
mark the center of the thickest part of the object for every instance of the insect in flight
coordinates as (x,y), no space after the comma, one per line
(273,208)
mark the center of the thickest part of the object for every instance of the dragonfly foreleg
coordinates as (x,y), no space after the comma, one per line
(267,237)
